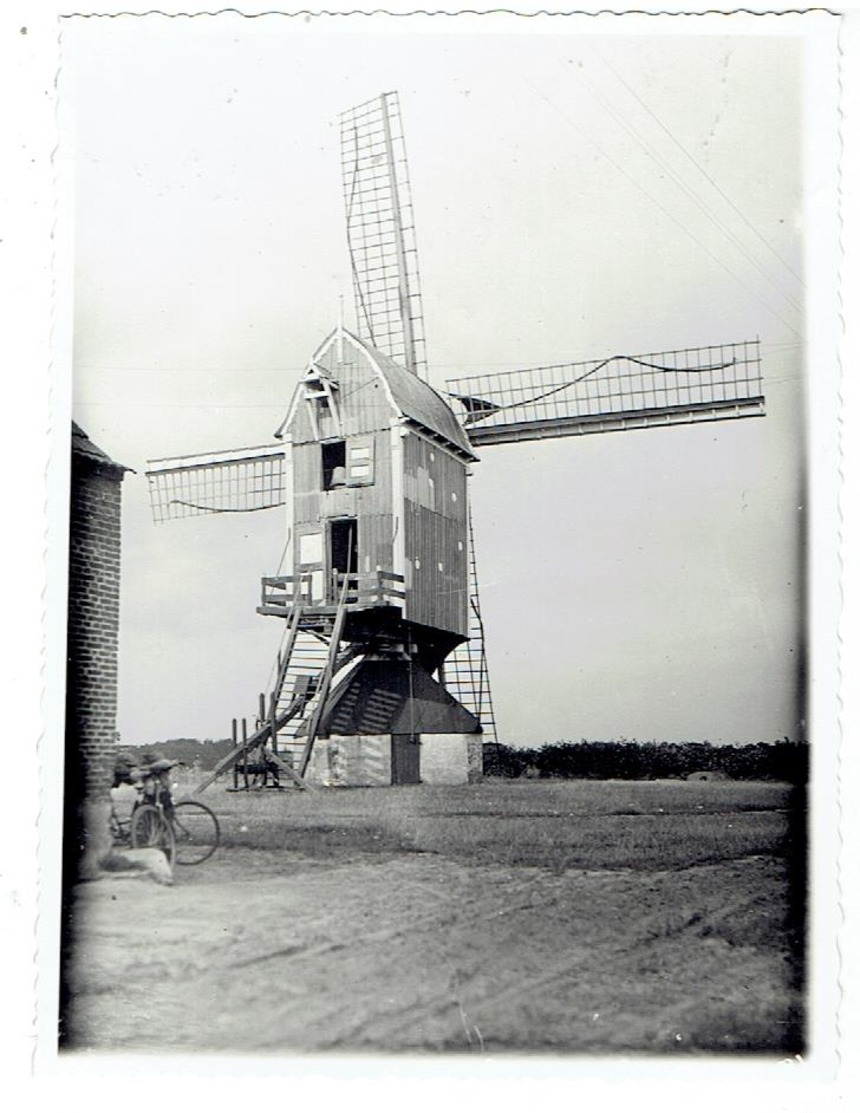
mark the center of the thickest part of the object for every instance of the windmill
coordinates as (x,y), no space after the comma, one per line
(382,673)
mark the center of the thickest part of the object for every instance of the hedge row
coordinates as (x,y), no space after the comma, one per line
(773,761)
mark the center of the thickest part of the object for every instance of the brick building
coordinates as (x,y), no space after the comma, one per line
(92,647)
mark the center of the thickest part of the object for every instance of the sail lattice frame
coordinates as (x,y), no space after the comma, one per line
(465,673)
(620,392)
(381,231)
(233,481)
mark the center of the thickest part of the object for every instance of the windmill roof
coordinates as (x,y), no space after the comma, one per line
(411,397)
(418,401)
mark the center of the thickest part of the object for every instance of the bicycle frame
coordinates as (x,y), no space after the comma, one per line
(154,790)
(151,788)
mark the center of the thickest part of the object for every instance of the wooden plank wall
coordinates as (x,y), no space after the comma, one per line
(362,401)
(436,538)
(434,512)
(370,504)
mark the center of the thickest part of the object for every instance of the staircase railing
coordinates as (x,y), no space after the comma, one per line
(325,679)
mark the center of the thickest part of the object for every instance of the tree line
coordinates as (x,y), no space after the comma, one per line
(631,760)
(204,754)
(783,760)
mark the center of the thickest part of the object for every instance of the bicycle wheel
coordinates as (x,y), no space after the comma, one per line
(150,827)
(197,832)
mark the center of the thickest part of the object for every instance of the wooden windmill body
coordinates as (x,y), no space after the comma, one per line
(378,469)
(382,676)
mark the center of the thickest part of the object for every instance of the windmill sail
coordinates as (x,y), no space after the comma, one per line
(465,672)
(381,232)
(232,481)
(620,392)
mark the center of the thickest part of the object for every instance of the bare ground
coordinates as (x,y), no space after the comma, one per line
(263,950)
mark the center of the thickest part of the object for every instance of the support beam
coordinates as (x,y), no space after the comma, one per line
(540,430)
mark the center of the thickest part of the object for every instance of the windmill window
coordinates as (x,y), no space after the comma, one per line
(333,465)
(359,462)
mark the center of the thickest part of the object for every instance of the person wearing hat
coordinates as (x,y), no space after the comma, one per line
(125,770)
(130,770)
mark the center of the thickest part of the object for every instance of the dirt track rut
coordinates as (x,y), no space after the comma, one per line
(271,952)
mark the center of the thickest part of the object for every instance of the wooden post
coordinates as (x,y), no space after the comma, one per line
(244,743)
(235,768)
(274,728)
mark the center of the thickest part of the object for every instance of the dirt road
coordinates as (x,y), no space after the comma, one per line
(265,951)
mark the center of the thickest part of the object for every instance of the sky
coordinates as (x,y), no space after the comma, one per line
(575,196)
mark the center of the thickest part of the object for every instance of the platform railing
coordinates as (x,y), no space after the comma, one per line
(363,590)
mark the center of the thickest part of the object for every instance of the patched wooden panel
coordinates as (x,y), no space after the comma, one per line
(434,478)
(376,543)
(307,508)
(435,535)
(436,556)
(307,469)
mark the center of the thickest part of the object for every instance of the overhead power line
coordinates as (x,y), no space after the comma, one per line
(703,172)
(687,231)
(698,201)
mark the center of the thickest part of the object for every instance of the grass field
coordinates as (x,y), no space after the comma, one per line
(553,824)
(593,917)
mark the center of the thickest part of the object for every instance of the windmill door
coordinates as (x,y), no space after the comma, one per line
(405,759)
(342,554)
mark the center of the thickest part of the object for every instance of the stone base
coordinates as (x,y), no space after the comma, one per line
(451,759)
(357,759)
(366,760)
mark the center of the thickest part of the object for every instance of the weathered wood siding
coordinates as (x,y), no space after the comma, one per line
(436,535)
(361,398)
(365,414)
(413,524)
(370,505)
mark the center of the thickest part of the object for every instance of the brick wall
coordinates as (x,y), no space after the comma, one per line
(94,584)
(92,648)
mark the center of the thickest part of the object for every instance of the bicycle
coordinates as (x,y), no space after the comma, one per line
(186,831)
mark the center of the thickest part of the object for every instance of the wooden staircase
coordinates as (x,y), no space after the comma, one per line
(305,669)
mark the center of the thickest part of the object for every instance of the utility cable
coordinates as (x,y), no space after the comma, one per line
(661,207)
(688,191)
(701,170)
